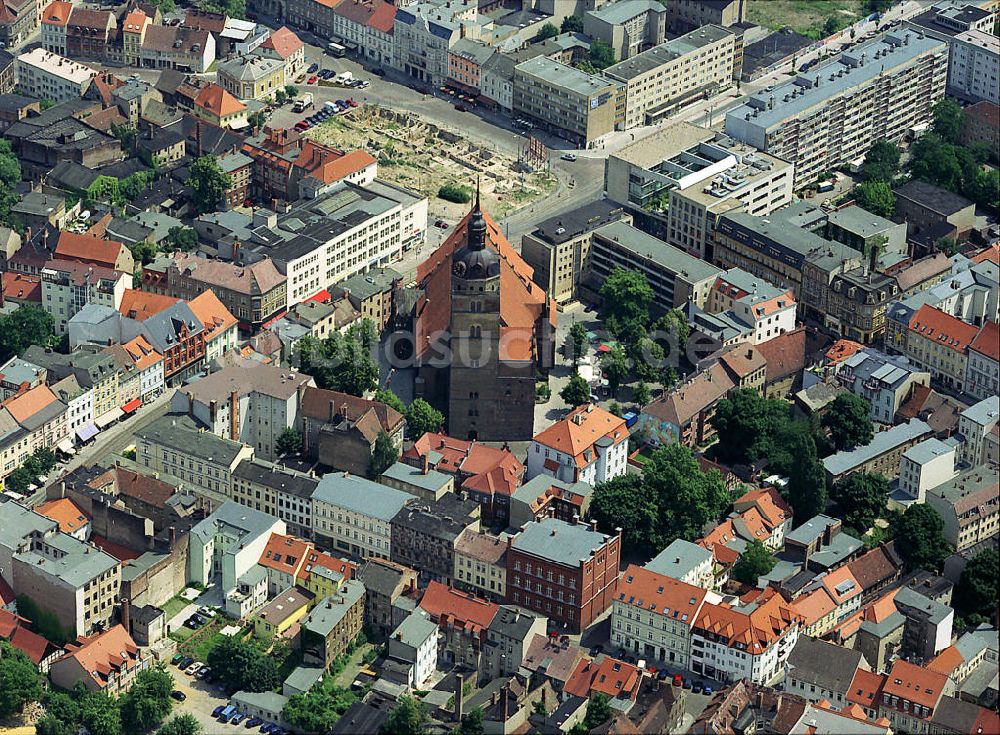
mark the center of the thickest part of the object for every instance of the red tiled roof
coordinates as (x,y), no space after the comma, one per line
(25,405)
(914,683)
(866,688)
(285,554)
(617,679)
(218,101)
(451,608)
(145,488)
(377,14)
(102,654)
(841,350)
(22,287)
(580,429)
(87,249)
(283,42)
(65,512)
(785,355)
(57,13)
(658,593)
(141,305)
(987,342)
(942,328)
(756,630)
(487,469)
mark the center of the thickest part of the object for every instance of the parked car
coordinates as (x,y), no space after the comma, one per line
(177,657)
(313,68)
(203,672)
(351,102)
(461,108)
(312,80)
(193,668)
(568,156)
(185,662)
(707,689)
(240,716)
(697,687)
(206,612)
(688,684)
(678,680)
(253,722)
(218,710)
(441,224)
(178,695)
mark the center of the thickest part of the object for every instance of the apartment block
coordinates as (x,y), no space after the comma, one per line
(75,581)
(566,101)
(924,466)
(353,515)
(559,248)
(975,425)
(676,276)
(566,572)
(229,543)
(938,342)
(885,381)
(969,504)
(46,75)
(678,181)
(881,455)
(481,565)
(974,68)
(652,616)
(278,491)
(831,115)
(629,27)
(982,376)
(666,78)
(687,15)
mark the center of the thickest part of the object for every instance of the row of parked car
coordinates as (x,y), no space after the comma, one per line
(228,713)
(329,110)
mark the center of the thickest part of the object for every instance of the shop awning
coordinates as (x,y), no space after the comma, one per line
(132,405)
(66,447)
(87,432)
(106,419)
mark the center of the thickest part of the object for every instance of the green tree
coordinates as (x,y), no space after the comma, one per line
(601,54)
(145,705)
(875,197)
(143,251)
(754,562)
(831,26)
(182,238)
(289,442)
(280,97)
(949,119)
(10,177)
(318,710)
(807,479)
(640,394)
(343,362)
(614,365)
(100,714)
(862,497)
(673,325)
(881,162)
(384,455)
(291,91)
(615,409)
(208,184)
(243,665)
(586,66)
(577,342)
(455,193)
(626,297)
(386,396)
(572,24)
(472,723)
(62,706)
(18,680)
(977,587)
(934,160)
(576,392)
(43,622)
(408,717)
(598,710)
(948,246)
(923,530)
(27,325)
(673,498)
(422,417)
(747,425)
(848,419)
(126,136)
(51,725)
(546,32)
(186,724)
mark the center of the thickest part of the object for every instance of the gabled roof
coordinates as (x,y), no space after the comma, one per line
(142,353)
(102,654)
(987,342)
(617,679)
(942,328)
(756,626)
(283,42)
(212,313)
(65,512)
(140,305)
(689,399)
(583,427)
(324,405)
(87,249)
(914,683)
(451,608)
(29,403)
(285,554)
(218,101)
(785,355)
(57,13)
(656,593)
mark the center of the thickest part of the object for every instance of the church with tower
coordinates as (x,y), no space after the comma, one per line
(483,331)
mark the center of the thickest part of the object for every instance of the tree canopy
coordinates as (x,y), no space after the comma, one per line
(386,396)
(318,710)
(572,24)
(806,491)
(614,365)
(673,498)
(408,717)
(601,54)
(862,498)
(753,563)
(545,32)
(626,297)
(749,426)
(948,119)
(881,162)
(25,326)
(289,442)
(422,417)
(243,665)
(10,177)
(976,595)
(577,342)
(384,455)
(145,705)
(848,419)
(343,362)
(18,680)
(925,546)
(208,183)
(876,197)
(598,711)
(186,724)
(576,392)
(100,714)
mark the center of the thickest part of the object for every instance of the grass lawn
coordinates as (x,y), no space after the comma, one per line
(202,646)
(804,16)
(173,606)
(181,634)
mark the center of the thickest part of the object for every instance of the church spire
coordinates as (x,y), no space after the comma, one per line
(477,225)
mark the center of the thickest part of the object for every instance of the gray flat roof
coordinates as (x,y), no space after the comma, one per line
(566,77)
(623,11)
(884,441)
(645,245)
(416,628)
(357,494)
(657,56)
(558,541)
(985,412)
(860,221)
(431,480)
(183,435)
(241,519)
(78,564)
(331,610)
(895,49)
(17,522)
(678,559)
(927,450)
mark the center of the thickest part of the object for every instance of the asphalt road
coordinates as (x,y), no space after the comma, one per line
(114,440)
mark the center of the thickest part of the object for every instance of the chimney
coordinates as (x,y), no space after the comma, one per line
(126,616)
(333,410)
(173,537)
(426,464)
(459,697)
(234,417)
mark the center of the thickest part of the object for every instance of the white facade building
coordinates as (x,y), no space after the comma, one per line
(924,466)
(589,445)
(47,76)
(353,514)
(974,67)
(229,543)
